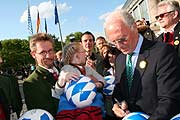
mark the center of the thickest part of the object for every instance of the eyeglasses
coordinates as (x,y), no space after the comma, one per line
(163,14)
(44,53)
(120,40)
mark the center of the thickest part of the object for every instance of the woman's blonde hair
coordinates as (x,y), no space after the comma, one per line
(69,51)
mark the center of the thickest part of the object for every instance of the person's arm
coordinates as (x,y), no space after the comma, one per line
(120,109)
(168,84)
(90,63)
(96,77)
(66,75)
(98,84)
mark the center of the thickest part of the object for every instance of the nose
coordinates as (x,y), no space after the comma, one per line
(49,55)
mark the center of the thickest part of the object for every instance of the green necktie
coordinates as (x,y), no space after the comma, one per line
(129,70)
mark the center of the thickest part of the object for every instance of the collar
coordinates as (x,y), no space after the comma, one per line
(139,44)
(52,70)
(171,30)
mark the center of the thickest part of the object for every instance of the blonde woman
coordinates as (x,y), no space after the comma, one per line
(74,58)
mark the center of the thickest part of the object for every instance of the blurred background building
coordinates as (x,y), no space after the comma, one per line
(144,9)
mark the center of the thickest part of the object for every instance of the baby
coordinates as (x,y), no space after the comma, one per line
(74,58)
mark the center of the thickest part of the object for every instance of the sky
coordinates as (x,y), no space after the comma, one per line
(74,16)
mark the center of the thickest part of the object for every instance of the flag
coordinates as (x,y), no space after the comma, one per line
(45,24)
(30,28)
(37,22)
(56,14)
(57,21)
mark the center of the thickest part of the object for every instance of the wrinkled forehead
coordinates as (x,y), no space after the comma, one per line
(116,26)
(163,8)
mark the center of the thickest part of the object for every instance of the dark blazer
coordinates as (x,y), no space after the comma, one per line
(176,38)
(156,86)
(10,95)
(37,90)
(98,62)
(146,32)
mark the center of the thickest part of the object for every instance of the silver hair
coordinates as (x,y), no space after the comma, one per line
(123,15)
(173,5)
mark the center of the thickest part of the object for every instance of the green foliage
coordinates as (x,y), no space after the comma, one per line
(15,54)
(76,36)
(57,43)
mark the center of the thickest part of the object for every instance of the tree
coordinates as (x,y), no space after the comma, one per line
(75,36)
(57,43)
(15,54)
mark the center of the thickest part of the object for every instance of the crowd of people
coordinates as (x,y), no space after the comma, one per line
(146,68)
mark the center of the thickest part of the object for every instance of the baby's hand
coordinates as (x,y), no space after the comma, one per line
(66,77)
(99,84)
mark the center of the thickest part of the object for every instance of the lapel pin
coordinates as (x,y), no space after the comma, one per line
(142,64)
(176,42)
(44,77)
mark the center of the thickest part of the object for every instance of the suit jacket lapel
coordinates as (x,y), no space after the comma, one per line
(140,68)
(46,75)
(177,36)
(120,67)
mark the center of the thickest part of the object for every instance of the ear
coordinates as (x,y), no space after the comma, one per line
(77,56)
(33,54)
(134,25)
(175,14)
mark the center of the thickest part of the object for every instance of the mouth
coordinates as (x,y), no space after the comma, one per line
(48,60)
(161,21)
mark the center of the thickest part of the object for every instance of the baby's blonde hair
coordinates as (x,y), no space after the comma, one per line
(69,51)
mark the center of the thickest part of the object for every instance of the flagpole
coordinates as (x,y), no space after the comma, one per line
(30,28)
(60,34)
(59,26)
(45,25)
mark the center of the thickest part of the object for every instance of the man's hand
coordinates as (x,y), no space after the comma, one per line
(121,110)
(90,63)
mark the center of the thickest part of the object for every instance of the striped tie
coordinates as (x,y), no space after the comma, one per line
(129,70)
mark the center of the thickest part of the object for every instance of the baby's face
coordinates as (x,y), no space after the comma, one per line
(80,57)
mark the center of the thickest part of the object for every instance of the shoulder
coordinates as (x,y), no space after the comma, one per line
(159,50)
(35,75)
(7,78)
(2,77)
(166,49)
(88,69)
(147,44)
(177,27)
(4,81)
(160,37)
(67,67)
(154,45)
(120,56)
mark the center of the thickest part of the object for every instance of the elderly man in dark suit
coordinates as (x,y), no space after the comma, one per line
(168,16)
(147,72)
